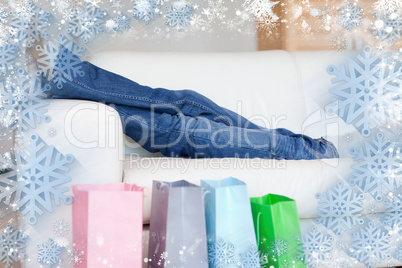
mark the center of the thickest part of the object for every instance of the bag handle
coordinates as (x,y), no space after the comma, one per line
(205,192)
(161,186)
(135,188)
(258,229)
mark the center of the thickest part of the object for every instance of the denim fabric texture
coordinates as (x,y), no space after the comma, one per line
(184,123)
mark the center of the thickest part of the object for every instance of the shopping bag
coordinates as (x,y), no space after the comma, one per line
(229,222)
(276,223)
(177,234)
(107,224)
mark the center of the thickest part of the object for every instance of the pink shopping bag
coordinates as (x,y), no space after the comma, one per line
(107,224)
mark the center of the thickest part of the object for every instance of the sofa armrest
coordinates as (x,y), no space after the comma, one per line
(92,133)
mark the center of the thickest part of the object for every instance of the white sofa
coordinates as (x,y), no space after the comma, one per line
(272,88)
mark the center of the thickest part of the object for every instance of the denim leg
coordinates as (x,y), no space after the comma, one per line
(198,137)
(185,123)
(103,86)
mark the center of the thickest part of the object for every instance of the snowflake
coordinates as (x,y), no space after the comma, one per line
(3,135)
(393,212)
(62,241)
(75,256)
(348,137)
(380,169)
(339,42)
(341,245)
(314,12)
(340,208)
(3,16)
(279,247)
(13,244)
(4,33)
(372,209)
(30,26)
(286,265)
(314,247)
(263,259)
(398,132)
(121,22)
(295,10)
(52,132)
(24,97)
(267,25)
(350,16)
(388,25)
(164,255)
(398,253)
(41,183)
(24,9)
(370,245)
(65,7)
(100,240)
(61,227)
(221,254)
(363,90)
(86,22)
(94,2)
(58,61)
(7,57)
(387,5)
(338,263)
(215,10)
(263,7)
(233,25)
(115,4)
(26,60)
(198,23)
(305,27)
(250,258)
(49,253)
(110,25)
(322,13)
(179,15)
(147,10)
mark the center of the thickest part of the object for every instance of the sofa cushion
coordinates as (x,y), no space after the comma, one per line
(299,180)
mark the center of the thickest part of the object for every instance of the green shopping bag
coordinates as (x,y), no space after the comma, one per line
(276,224)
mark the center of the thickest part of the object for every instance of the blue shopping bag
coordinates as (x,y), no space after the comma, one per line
(229,222)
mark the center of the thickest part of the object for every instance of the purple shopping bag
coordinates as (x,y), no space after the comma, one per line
(177,235)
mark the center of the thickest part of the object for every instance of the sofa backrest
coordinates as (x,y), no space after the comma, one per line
(276,89)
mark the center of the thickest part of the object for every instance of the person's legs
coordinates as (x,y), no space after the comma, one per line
(175,134)
(185,123)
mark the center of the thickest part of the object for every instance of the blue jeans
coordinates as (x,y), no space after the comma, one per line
(187,124)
